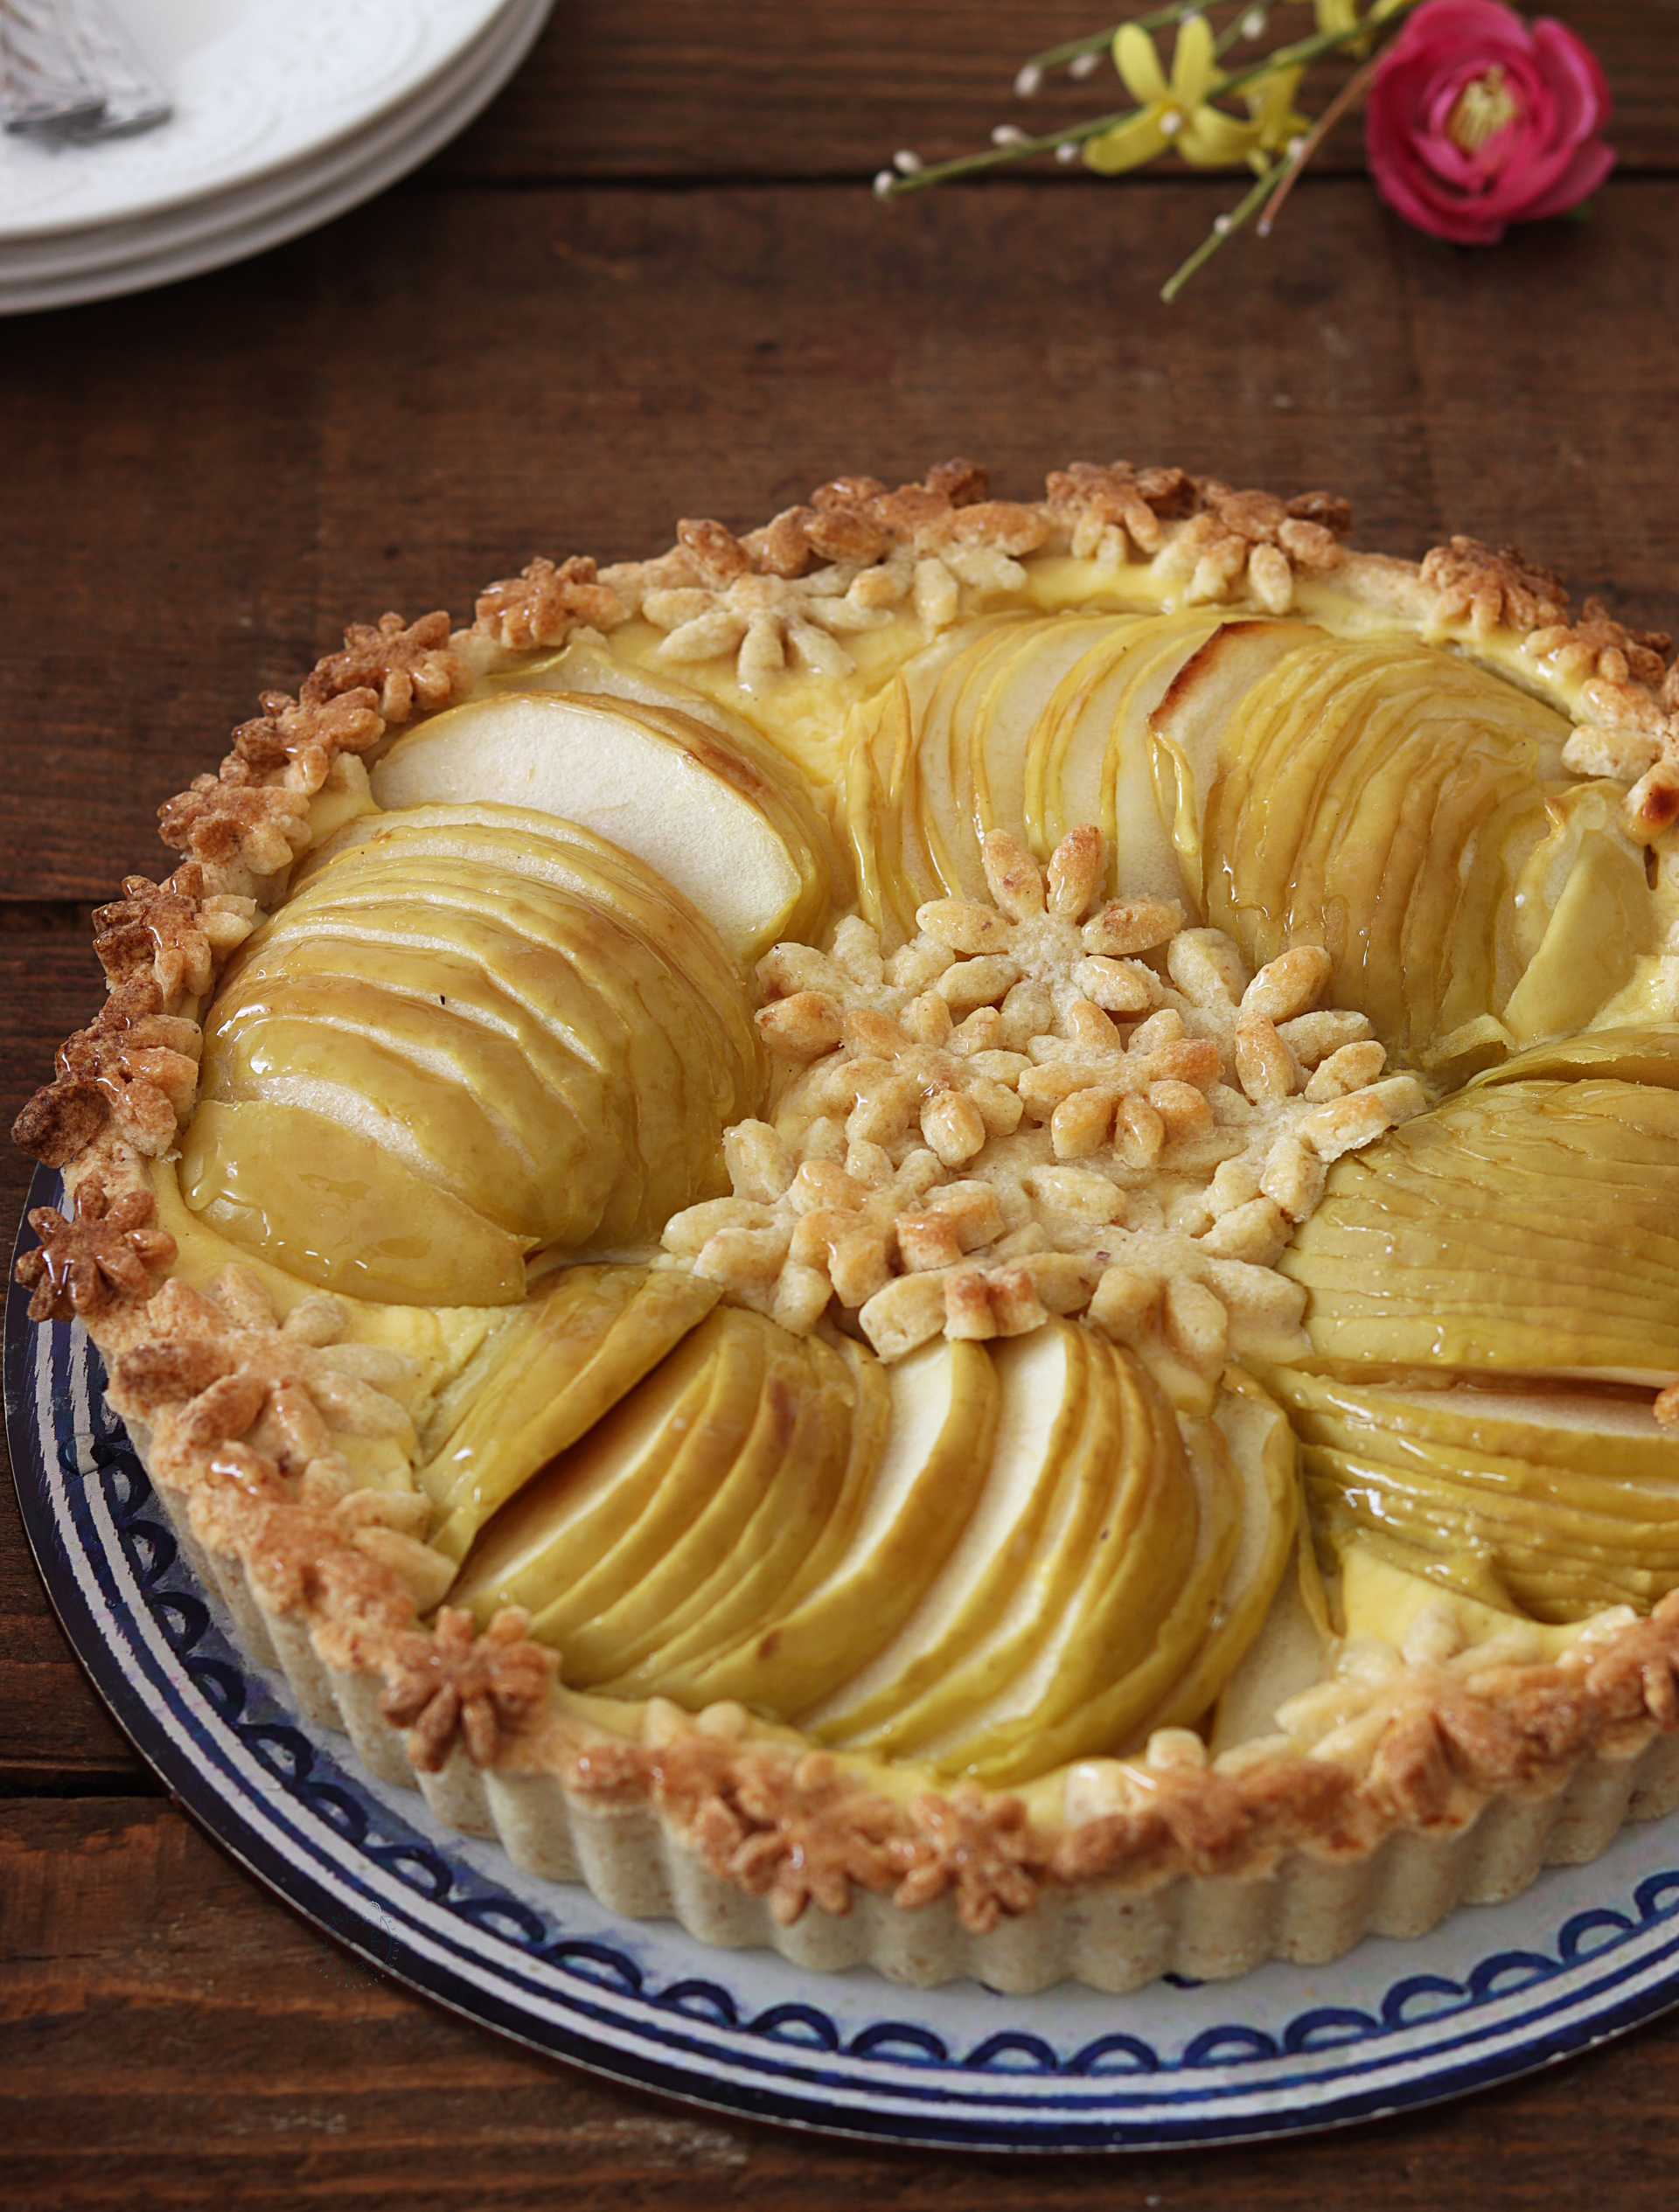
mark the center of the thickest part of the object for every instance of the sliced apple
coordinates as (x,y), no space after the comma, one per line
(1109,1557)
(1255,1432)
(1188,725)
(1097,763)
(1042,1381)
(651,1461)
(768,1503)
(1586,888)
(1117,1715)
(336,1209)
(595,1610)
(919,1498)
(726,821)
(881,804)
(1570,1501)
(1521,1228)
(804,1439)
(491,1003)
(1383,798)
(581,667)
(944,793)
(1630,1055)
(1003,720)
(1115,1631)
(581,1341)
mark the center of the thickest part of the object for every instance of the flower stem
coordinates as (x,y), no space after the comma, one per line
(1236,28)
(1227,227)
(996,157)
(1350,93)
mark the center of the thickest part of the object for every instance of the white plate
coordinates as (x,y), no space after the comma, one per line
(256,84)
(96,261)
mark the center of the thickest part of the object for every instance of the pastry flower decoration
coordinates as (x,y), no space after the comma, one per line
(1476,119)
(1048,1101)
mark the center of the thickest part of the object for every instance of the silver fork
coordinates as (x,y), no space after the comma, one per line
(69,70)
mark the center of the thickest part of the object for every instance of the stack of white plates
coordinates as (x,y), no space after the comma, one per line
(286,113)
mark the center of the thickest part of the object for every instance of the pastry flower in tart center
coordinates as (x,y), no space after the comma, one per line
(1044,1102)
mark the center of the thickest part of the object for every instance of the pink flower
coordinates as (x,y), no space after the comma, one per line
(1477,119)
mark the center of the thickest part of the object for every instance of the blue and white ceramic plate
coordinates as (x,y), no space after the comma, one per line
(1587,1953)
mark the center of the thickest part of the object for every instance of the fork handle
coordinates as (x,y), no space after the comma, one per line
(43,84)
(133,98)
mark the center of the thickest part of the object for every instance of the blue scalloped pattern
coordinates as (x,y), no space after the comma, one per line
(287,1754)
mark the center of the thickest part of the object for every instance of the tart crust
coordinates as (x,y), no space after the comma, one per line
(1405,1785)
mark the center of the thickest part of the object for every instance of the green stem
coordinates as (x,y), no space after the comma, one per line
(1232,31)
(1239,216)
(996,157)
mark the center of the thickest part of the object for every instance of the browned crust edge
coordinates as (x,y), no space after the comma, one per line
(239,1411)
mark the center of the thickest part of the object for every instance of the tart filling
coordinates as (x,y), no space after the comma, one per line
(973,1195)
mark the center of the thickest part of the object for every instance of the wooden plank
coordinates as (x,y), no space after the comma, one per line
(157,543)
(657,88)
(436,386)
(52,1723)
(169,2033)
(55,1732)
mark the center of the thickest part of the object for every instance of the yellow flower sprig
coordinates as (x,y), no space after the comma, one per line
(1175,109)
(1175,113)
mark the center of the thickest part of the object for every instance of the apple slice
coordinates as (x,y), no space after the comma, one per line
(919,1497)
(707,1444)
(880,804)
(560,1526)
(1585,888)
(1261,1447)
(802,1437)
(727,823)
(334,1206)
(944,793)
(1096,761)
(1042,1380)
(573,1093)
(859,1432)
(1116,1714)
(1188,725)
(1014,704)
(1568,1498)
(771,1501)
(580,1343)
(581,667)
(1635,1054)
(1135,1582)
(1521,1228)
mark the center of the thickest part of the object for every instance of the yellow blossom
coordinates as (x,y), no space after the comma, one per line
(1172,113)
(1270,103)
(1337,16)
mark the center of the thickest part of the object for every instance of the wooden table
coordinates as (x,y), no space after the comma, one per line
(651,282)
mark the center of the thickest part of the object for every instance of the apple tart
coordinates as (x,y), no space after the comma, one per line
(942,1235)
